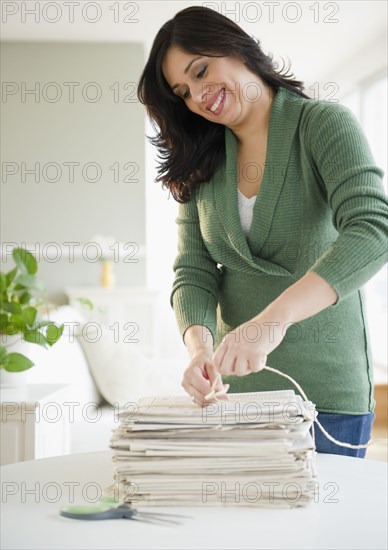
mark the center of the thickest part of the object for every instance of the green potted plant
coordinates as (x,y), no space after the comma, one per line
(22,293)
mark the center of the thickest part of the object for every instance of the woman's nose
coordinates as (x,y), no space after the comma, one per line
(197,93)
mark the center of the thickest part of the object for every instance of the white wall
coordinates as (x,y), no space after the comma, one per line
(50,128)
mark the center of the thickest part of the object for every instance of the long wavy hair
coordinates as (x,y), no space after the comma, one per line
(191,147)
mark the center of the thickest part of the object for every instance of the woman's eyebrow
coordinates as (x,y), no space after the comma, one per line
(186,70)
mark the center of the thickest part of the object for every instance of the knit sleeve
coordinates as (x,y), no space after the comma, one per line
(194,295)
(354,190)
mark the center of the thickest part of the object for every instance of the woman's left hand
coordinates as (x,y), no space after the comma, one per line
(245,349)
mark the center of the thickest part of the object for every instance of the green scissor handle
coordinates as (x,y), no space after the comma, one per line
(98,511)
(109,508)
(105,508)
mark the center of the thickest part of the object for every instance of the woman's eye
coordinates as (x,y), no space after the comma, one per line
(199,75)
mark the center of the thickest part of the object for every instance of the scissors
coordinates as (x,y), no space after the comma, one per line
(109,508)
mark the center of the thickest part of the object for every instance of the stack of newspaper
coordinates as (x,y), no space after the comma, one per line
(253,450)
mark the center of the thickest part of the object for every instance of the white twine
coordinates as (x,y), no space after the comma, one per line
(342,444)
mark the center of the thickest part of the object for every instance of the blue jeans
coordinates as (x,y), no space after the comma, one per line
(348,428)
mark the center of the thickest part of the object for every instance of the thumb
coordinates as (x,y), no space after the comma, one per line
(215,377)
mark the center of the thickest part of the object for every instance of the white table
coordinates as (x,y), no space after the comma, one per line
(351,511)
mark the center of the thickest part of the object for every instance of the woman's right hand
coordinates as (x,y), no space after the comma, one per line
(199,377)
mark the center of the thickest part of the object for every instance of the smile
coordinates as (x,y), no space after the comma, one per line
(217,103)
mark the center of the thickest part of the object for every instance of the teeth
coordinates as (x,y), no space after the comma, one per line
(215,105)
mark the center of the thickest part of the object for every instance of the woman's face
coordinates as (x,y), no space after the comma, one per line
(221,89)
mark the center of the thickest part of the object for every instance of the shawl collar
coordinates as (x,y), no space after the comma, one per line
(283,122)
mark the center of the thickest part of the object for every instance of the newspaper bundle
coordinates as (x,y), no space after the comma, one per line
(255,449)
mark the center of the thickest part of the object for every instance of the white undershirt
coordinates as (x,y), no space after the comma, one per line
(245,207)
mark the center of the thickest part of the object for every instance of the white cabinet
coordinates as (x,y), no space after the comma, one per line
(34,423)
(133,314)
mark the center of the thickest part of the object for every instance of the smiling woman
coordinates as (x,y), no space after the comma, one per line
(282,285)
(224,91)
(186,70)
(210,81)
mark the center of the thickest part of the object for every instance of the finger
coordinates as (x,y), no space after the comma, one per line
(200,376)
(241,367)
(195,395)
(214,377)
(199,399)
(222,394)
(257,365)
(198,385)
(227,365)
(190,390)
(218,389)
(196,382)
(215,393)
(217,396)
(219,354)
(211,397)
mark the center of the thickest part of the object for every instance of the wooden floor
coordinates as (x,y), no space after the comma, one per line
(378,451)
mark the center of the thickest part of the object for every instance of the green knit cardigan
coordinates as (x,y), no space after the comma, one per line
(321,207)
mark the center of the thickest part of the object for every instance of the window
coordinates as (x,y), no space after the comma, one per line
(369,104)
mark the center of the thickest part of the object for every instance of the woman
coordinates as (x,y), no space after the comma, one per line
(282,219)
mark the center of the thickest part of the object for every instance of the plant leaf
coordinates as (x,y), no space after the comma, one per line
(3,283)
(17,323)
(41,324)
(25,261)
(28,315)
(53,333)
(85,302)
(35,337)
(11,275)
(3,357)
(18,362)
(30,281)
(11,307)
(25,298)
(11,328)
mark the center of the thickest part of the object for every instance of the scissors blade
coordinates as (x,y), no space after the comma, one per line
(155,520)
(162,514)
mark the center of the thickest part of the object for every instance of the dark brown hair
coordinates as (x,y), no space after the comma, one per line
(190,146)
